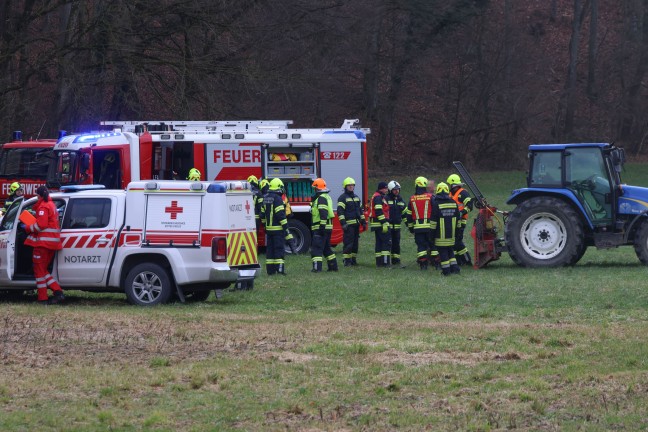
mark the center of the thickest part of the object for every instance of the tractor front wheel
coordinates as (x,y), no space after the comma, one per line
(641,243)
(544,232)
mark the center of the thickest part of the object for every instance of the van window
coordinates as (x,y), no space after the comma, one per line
(87,213)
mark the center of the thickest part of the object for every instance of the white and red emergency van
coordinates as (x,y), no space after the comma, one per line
(232,150)
(25,162)
(154,240)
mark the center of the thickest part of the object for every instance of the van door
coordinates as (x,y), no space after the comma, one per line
(88,234)
(8,228)
(339,161)
(241,239)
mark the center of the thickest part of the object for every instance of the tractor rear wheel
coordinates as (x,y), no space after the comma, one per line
(641,243)
(544,232)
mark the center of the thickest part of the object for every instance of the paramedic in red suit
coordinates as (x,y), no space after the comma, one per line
(44,235)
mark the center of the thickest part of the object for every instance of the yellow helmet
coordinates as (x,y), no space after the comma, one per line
(442,188)
(194,175)
(454,179)
(421,182)
(276,184)
(347,181)
(264,183)
(15,186)
(253,180)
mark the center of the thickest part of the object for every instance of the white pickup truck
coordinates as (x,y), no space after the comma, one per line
(151,241)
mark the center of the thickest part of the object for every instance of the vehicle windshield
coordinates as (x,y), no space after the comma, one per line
(28,163)
(63,169)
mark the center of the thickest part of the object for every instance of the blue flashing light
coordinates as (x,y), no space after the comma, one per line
(89,138)
(358,133)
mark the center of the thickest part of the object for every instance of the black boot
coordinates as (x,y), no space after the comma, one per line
(396,261)
(423,265)
(386,261)
(57,297)
(379,262)
(332,265)
(454,268)
(467,259)
(282,269)
(317,266)
(445,271)
(354,262)
(347,262)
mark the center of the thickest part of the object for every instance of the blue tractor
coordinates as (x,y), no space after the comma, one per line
(574,199)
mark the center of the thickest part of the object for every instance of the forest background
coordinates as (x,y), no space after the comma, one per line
(475,80)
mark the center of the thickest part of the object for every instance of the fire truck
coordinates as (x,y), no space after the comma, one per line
(26,162)
(221,150)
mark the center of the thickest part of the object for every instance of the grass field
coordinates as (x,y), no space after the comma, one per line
(362,349)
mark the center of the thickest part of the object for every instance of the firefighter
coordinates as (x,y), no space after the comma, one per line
(351,216)
(322,225)
(419,215)
(16,190)
(397,211)
(44,235)
(276,226)
(257,199)
(379,224)
(465,203)
(194,175)
(445,216)
(434,254)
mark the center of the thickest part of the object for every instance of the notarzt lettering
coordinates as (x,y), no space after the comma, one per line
(95,259)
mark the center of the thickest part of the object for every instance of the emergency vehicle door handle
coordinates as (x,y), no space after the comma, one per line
(103,240)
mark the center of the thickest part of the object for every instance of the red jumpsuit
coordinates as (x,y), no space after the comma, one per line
(44,236)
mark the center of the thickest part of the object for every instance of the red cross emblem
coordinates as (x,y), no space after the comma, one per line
(174,209)
(247,206)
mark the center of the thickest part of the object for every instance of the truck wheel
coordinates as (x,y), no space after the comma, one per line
(148,284)
(302,235)
(641,243)
(544,232)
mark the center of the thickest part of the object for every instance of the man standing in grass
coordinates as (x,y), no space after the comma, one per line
(465,203)
(322,225)
(351,216)
(379,224)
(397,210)
(419,212)
(445,215)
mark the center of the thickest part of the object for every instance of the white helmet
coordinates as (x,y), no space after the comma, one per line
(393,185)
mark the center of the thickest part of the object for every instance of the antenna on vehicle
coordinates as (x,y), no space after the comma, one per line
(41,129)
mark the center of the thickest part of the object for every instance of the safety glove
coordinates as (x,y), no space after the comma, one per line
(322,230)
(345,227)
(292,244)
(385,228)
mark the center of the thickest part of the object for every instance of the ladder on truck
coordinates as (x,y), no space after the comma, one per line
(215,126)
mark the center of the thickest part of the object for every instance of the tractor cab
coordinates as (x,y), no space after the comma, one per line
(590,173)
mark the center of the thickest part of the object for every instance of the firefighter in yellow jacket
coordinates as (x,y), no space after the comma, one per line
(273,214)
(322,225)
(445,215)
(465,203)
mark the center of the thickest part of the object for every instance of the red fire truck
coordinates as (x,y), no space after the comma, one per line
(221,150)
(25,162)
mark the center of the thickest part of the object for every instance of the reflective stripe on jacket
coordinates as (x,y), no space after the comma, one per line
(420,211)
(322,211)
(379,213)
(45,232)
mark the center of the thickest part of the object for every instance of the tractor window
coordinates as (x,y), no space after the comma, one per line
(587,177)
(546,169)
